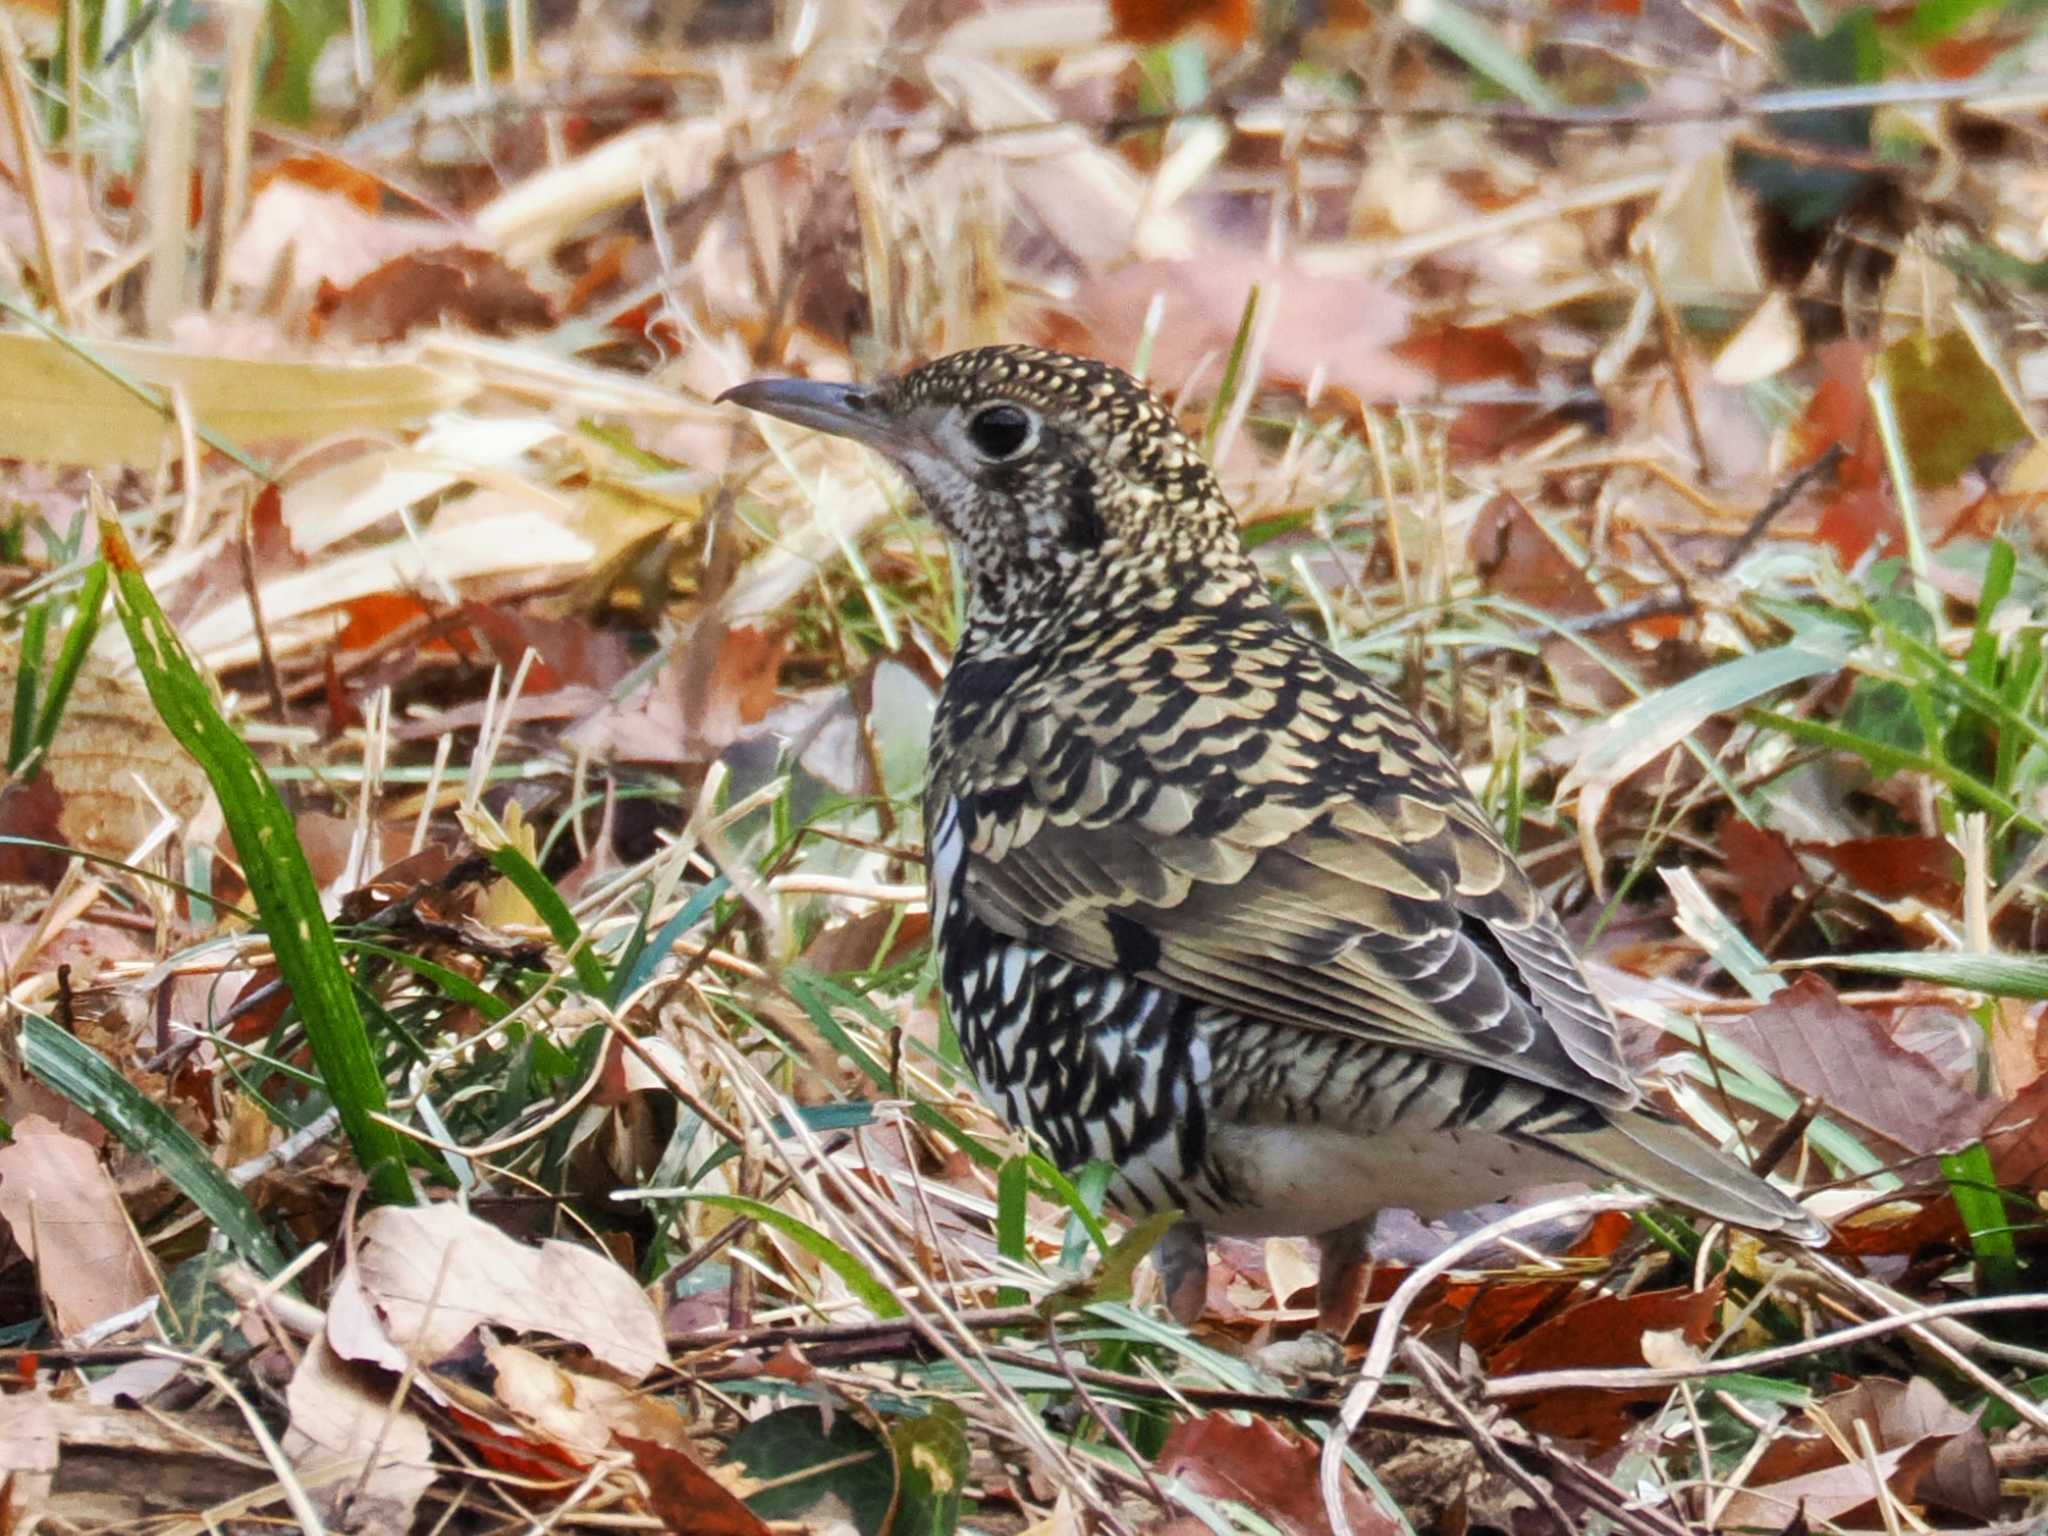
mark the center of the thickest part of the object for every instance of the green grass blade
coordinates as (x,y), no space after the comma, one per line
(146,1128)
(35,628)
(71,658)
(2000,975)
(453,985)
(287,898)
(817,997)
(1974,1187)
(1889,760)
(636,966)
(1013,1187)
(879,1298)
(538,889)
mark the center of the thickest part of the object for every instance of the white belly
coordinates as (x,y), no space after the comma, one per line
(1308,1179)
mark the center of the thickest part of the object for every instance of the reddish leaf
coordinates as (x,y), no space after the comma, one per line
(1892,868)
(686,1498)
(269,540)
(342,713)
(32,808)
(324,173)
(1815,1043)
(1159,21)
(568,651)
(1269,1469)
(1839,412)
(1764,870)
(1602,1331)
(1338,328)
(1467,354)
(1854,521)
(377,615)
(1517,559)
(451,286)
(2017,1139)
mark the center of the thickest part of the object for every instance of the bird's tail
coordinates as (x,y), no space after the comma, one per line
(1669,1161)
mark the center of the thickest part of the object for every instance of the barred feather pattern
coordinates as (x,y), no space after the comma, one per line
(1209,903)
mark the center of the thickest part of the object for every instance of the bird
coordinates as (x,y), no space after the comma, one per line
(1210,903)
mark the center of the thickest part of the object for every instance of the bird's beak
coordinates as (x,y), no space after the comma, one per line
(844,410)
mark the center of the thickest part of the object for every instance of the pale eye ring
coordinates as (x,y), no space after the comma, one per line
(1001,431)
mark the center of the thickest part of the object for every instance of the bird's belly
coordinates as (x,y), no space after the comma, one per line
(1288,1180)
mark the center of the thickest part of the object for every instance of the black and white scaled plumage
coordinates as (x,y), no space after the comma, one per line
(1210,903)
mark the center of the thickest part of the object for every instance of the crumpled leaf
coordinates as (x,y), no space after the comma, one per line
(341,1417)
(435,1273)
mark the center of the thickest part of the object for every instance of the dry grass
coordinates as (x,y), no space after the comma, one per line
(1650,413)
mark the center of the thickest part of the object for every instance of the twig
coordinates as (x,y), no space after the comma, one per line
(1822,467)
(1386,1337)
(1109,1425)
(29,153)
(1430,1371)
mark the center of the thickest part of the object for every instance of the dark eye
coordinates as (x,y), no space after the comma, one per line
(997,431)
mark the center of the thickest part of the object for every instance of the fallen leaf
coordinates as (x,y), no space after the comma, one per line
(1603,1331)
(1157,21)
(1952,409)
(110,766)
(1518,560)
(1816,1044)
(684,1495)
(1893,868)
(366,1462)
(449,286)
(1764,872)
(54,405)
(1932,1452)
(435,1273)
(1268,1469)
(1337,328)
(67,1217)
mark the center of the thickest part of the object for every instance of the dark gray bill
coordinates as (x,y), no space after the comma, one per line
(845,410)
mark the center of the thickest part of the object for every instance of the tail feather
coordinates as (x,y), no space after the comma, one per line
(1667,1160)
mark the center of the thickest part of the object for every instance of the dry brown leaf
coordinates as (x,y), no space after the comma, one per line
(342,1415)
(109,745)
(1814,1043)
(68,1218)
(1266,1468)
(435,1273)
(686,1496)
(1602,1331)
(307,236)
(447,285)
(1931,1452)
(579,1413)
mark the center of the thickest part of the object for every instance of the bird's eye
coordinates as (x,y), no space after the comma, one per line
(997,431)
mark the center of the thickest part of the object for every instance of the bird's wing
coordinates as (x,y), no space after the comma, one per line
(1386,907)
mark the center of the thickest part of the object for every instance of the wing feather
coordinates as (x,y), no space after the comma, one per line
(1383,906)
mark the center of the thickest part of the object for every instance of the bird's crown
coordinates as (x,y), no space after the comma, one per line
(1058,479)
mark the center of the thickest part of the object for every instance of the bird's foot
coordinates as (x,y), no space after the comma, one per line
(1341,1277)
(1182,1258)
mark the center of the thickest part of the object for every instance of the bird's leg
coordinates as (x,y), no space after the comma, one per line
(1341,1276)
(1182,1259)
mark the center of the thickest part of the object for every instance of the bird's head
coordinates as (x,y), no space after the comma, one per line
(1058,480)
